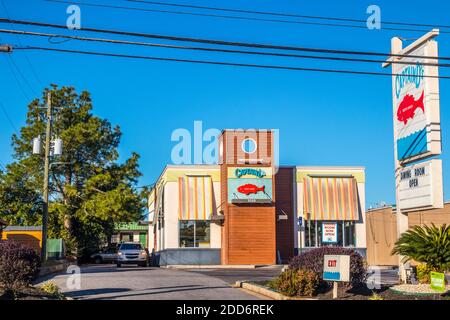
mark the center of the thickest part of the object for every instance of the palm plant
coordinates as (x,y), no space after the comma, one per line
(426,244)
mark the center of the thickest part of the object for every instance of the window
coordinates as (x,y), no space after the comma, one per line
(249,145)
(310,233)
(130,246)
(349,234)
(313,234)
(194,234)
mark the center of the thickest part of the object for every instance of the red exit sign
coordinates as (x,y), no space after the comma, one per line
(332,263)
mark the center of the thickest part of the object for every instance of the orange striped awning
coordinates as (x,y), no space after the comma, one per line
(195,198)
(330,199)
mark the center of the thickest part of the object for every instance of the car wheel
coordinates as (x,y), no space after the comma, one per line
(98,260)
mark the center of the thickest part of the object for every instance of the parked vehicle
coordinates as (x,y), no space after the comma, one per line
(107,255)
(132,253)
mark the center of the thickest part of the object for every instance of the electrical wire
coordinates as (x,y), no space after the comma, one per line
(33,71)
(233,17)
(8,118)
(280,14)
(168,46)
(224,43)
(19,84)
(209,62)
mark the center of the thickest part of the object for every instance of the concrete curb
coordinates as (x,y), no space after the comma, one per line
(45,271)
(221,266)
(266,292)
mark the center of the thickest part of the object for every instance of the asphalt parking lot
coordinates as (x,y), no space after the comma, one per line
(107,282)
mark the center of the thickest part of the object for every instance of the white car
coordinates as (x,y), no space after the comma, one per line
(131,253)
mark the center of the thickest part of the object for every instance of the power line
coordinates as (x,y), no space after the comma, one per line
(224,43)
(7,117)
(169,46)
(26,56)
(220,62)
(234,17)
(292,15)
(19,84)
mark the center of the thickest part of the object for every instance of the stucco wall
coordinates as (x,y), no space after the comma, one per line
(171,225)
(360,226)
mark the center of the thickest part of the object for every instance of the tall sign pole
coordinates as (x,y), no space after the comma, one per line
(48,134)
(417,134)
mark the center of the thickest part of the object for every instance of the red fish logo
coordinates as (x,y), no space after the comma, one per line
(250,188)
(408,107)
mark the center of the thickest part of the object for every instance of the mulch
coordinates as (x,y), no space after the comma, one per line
(364,293)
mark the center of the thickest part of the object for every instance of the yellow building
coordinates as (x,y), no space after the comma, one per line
(29,236)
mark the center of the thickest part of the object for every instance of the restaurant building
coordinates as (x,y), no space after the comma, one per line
(249,210)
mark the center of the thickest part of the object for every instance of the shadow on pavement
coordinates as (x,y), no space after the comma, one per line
(87,292)
(92,292)
(146,292)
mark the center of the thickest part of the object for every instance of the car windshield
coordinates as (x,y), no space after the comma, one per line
(130,246)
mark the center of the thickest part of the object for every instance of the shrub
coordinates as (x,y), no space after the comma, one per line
(18,265)
(312,260)
(426,244)
(51,289)
(423,273)
(376,296)
(296,282)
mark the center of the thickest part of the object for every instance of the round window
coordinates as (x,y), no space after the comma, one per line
(249,145)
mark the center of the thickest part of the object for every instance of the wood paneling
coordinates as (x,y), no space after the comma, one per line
(251,235)
(249,230)
(381,234)
(284,205)
(232,141)
(427,217)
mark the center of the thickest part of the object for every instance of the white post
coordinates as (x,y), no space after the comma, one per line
(335,289)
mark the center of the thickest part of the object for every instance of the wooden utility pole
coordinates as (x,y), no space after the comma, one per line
(48,134)
(5,48)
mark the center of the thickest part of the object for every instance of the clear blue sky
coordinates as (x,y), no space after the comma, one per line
(324,119)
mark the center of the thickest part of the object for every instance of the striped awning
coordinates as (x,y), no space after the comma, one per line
(195,196)
(330,199)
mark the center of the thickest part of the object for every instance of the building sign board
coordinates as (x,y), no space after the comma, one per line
(249,185)
(336,268)
(420,185)
(329,232)
(416,104)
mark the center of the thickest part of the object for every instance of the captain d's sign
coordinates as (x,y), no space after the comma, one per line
(258,173)
(250,184)
(416,100)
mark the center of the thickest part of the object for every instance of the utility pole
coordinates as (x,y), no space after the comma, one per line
(5,48)
(48,135)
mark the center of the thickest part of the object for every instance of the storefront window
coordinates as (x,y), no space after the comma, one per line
(310,233)
(345,237)
(194,234)
(349,234)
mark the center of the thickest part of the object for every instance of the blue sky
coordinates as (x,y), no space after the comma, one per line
(324,119)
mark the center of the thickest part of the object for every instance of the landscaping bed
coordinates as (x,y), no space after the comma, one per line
(29,293)
(362,293)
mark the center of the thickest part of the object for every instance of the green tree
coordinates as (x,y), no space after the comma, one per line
(89,189)
(426,244)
